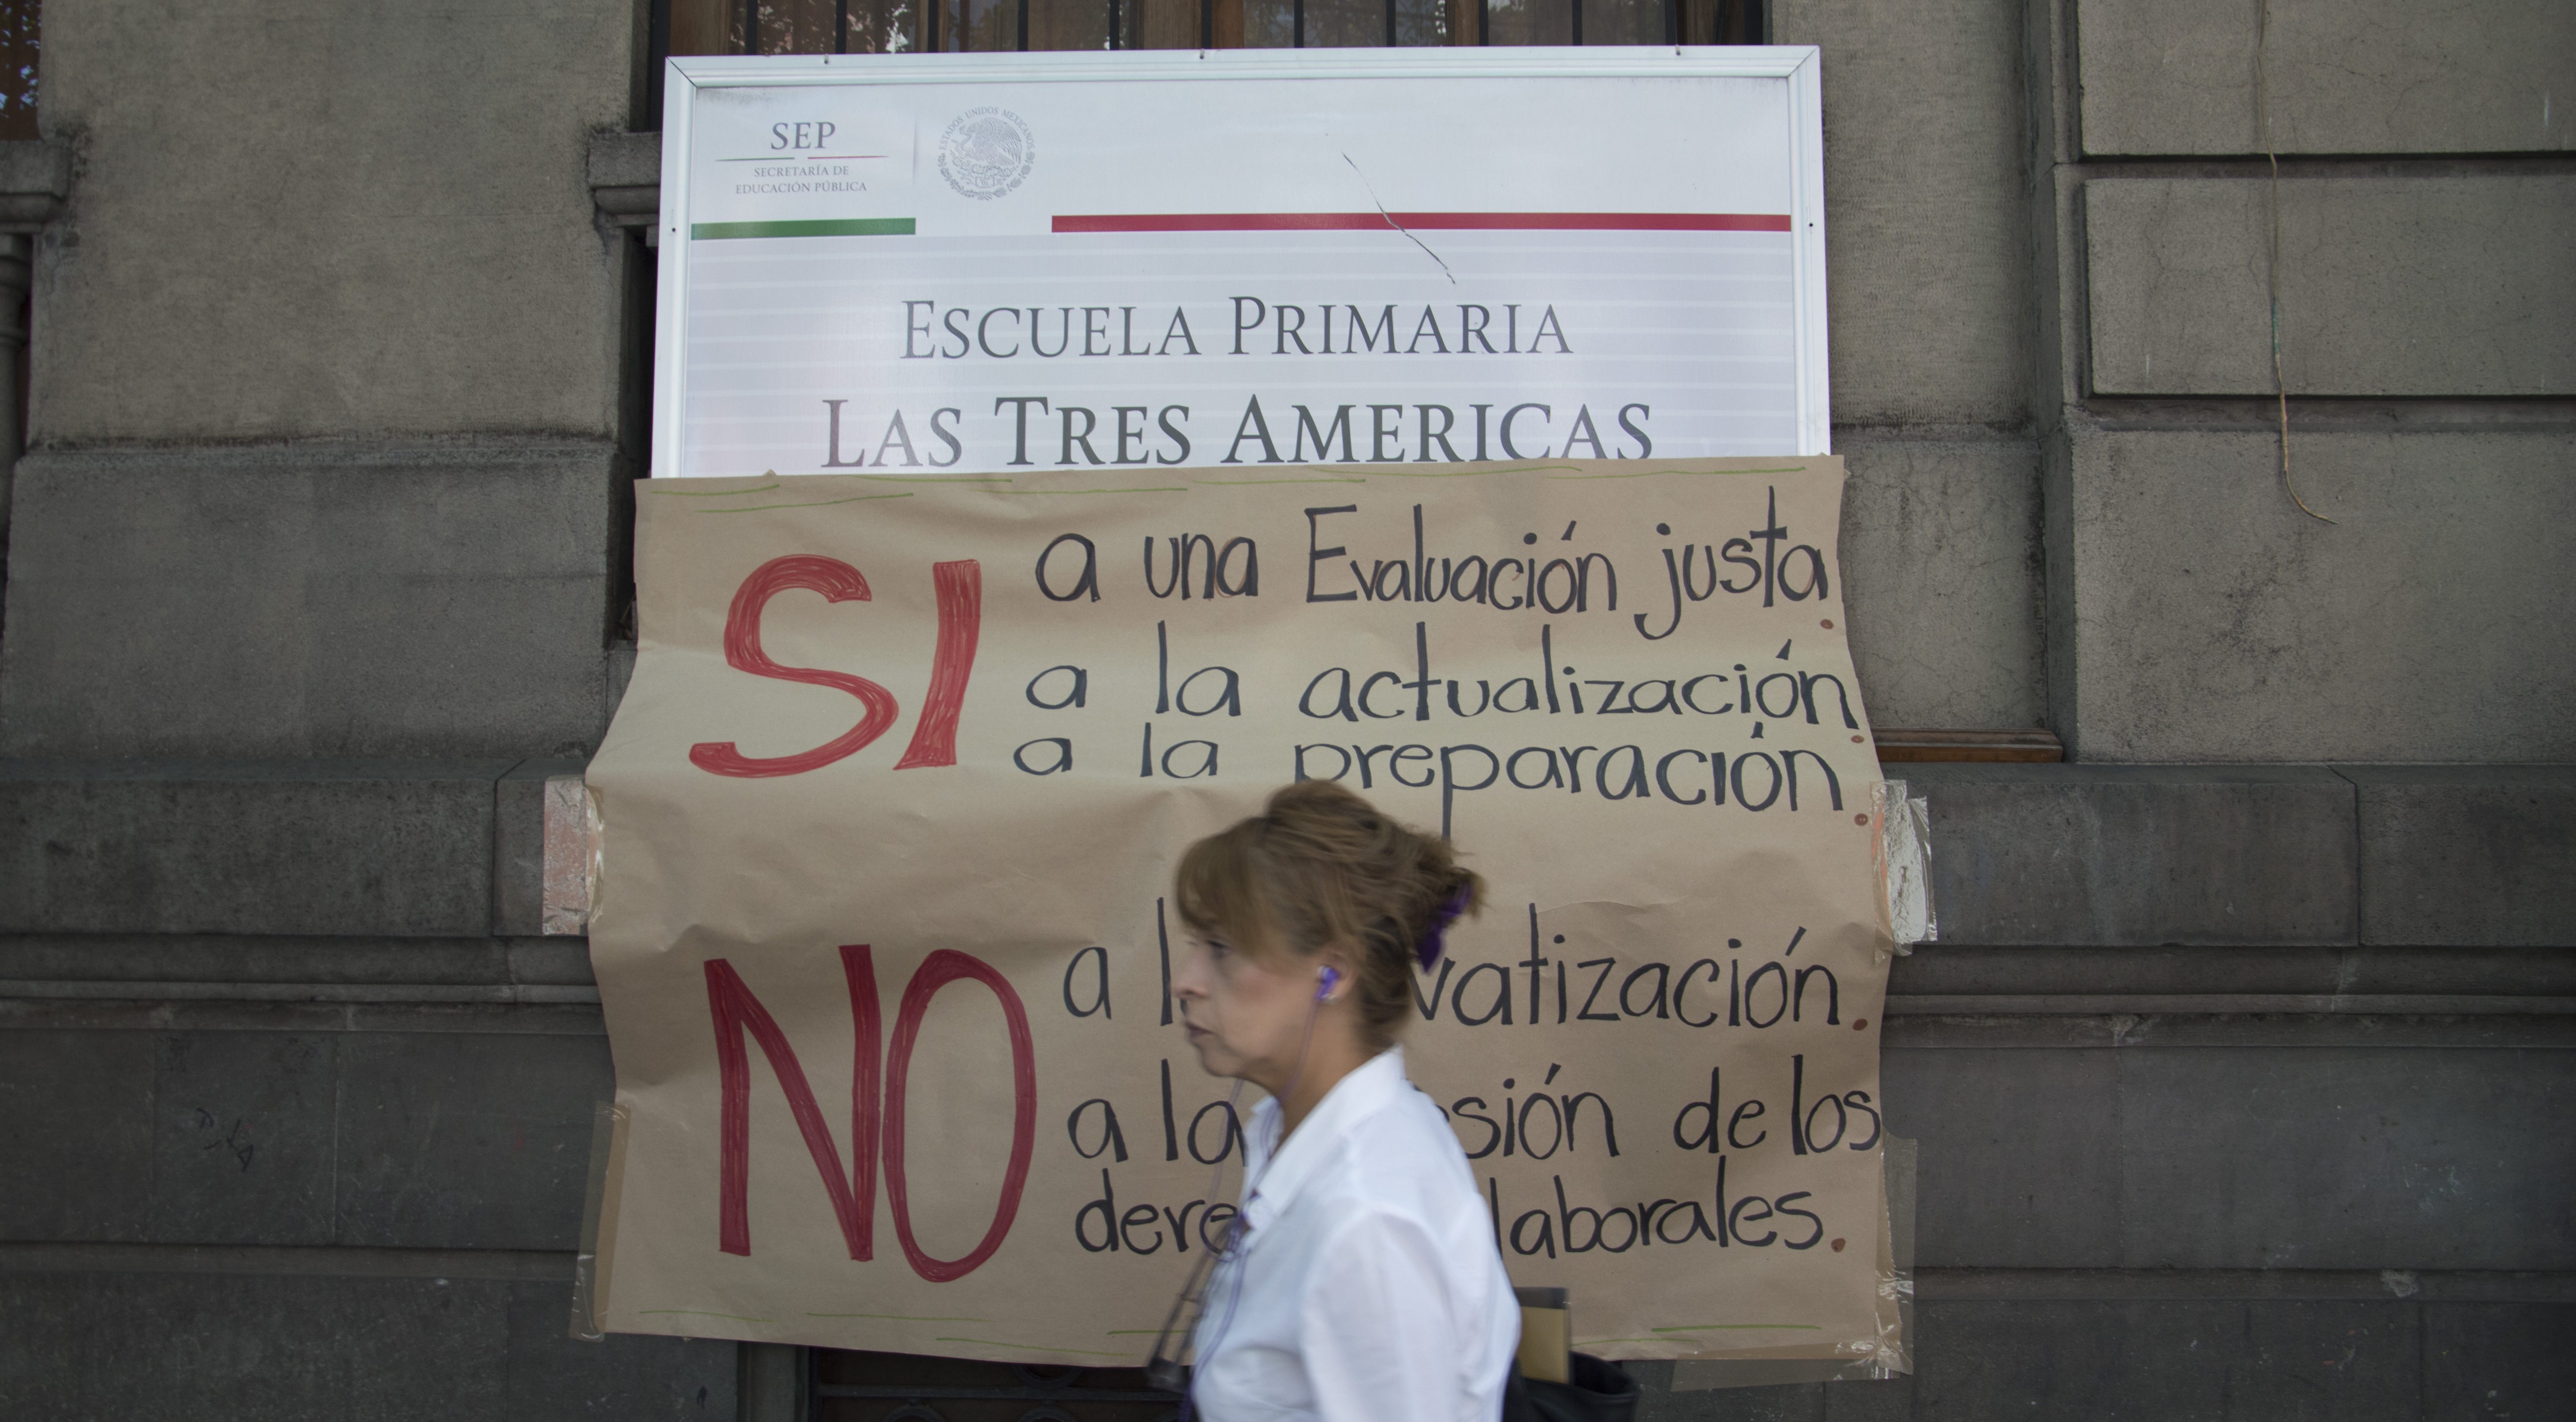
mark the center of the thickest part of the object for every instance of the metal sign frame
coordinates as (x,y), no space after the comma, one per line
(1797,64)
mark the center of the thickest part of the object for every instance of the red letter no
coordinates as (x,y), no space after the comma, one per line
(854,1199)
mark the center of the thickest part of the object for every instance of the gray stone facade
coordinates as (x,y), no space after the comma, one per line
(2242,1070)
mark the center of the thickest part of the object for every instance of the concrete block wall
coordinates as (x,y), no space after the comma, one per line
(2372,77)
(235,1334)
(2262,1058)
(2423,214)
(324,384)
(2208,619)
(319,538)
(2234,1071)
(411,599)
(2216,1069)
(1930,330)
(386,233)
(2217,1115)
(2465,265)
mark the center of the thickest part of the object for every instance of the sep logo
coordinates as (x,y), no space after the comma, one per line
(798,136)
(986,153)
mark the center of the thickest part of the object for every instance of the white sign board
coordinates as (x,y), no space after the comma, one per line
(960,264)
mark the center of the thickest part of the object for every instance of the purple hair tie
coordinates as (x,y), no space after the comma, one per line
(1430,947)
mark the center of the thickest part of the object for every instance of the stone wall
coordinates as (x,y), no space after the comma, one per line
(2239,1071)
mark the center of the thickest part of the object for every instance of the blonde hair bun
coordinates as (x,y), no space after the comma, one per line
(1318,866)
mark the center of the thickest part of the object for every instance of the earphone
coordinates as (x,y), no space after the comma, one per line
(1331,978)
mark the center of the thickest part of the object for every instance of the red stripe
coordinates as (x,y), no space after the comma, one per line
(1428,222)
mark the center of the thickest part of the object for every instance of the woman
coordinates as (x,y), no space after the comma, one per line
(1363,1281)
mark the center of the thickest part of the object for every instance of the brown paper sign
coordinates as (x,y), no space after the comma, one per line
(888,819)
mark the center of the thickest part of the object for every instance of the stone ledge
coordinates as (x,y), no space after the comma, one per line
(2237,1157)
(2362,1285)
(2467,853)
(141,1012)
(2392,1360)
(2140,855)
(22,1257)
(392,1140)
(1962,969)
(328,598)
(275,1346)
(406,1140)
(35,177)
(390,847)
(1940,1284)
(625,172)
(376,994)
(136,966)
(2064,858)
(141,959)
(2187,1032)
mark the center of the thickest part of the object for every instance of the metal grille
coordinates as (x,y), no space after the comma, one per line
(19,27)
(908,26)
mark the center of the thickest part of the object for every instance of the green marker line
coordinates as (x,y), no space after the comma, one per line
(1034,1347)
(1223,482)
(1685,473)
(1701,1327)
(712,493)
(934,478)
(899,1317)
(815,504)
(1466,473)
(706,1313)
(1155,489)
(823,227)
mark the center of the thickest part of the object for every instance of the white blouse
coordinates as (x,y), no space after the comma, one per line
(1368,1284)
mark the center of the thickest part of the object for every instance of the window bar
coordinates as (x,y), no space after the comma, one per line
(841,26)
(1207,23)
(1672,22)
(1024,26)
(1297,24)
(1575,10)
(1113,24)
(1484,22)
(751,26)
(1390,24)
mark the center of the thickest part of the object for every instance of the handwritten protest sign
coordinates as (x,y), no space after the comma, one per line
(888,818)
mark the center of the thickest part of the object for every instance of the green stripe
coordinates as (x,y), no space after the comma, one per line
(834,227)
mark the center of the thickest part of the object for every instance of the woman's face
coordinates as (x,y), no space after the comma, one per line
(1247,1014)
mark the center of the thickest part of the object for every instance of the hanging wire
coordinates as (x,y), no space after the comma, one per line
(2272,271)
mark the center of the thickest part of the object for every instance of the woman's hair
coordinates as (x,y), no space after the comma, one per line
(1320,866)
